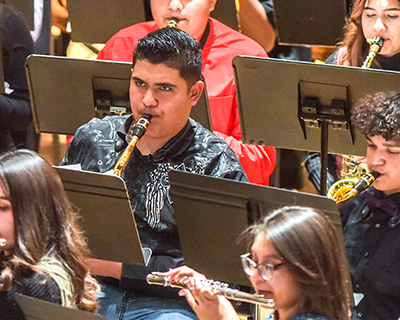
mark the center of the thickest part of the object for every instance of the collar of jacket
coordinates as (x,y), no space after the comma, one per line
(395,197)
(174,147)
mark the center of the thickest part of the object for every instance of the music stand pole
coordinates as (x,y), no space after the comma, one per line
(324,155)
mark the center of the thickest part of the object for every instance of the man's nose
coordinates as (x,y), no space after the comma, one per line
(378,159)
(149,100)
(175,5)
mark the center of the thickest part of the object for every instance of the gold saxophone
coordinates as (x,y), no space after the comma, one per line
(375,45)
(138,131)
(354,173)
(344,189)
(220,288)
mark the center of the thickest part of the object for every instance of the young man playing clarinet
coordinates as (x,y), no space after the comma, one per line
(165,84)
(371,220)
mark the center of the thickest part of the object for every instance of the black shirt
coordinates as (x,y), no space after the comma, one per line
(98,145)
(373,252)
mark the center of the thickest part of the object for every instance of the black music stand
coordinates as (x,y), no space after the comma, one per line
(289,104)
(211,213)
(303,22)
(66,92)
(95,21)
(36,309)
(225,11)
(108,222)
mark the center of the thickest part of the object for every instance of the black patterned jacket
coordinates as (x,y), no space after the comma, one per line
(98,145)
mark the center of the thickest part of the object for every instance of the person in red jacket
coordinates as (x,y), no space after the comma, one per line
(220,44)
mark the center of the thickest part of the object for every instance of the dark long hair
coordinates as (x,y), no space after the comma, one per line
(45,224)
(308,244)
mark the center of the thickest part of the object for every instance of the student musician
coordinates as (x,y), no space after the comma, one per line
(371,219)
(219,45)
(42,250)
(369,19)
(295,259)
(165,84)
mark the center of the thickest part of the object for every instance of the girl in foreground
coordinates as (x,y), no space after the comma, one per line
(294,258)
(45,255)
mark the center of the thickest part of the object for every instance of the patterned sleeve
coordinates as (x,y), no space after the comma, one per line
(313,166)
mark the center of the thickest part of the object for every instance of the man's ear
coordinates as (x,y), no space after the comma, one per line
(195,92)
(212,4)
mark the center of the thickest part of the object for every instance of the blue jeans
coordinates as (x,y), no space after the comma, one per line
(120,305)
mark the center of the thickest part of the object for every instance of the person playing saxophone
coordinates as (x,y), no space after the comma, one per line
(371,219)
(370,19)
(165,84)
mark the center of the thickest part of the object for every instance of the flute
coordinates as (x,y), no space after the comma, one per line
(220,288)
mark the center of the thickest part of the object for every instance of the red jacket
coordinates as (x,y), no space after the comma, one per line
(223,43)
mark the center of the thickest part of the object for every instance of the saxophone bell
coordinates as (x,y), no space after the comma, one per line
(344,189)
(3,242)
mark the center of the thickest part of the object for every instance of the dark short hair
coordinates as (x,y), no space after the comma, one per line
(378,115)
(174,48)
